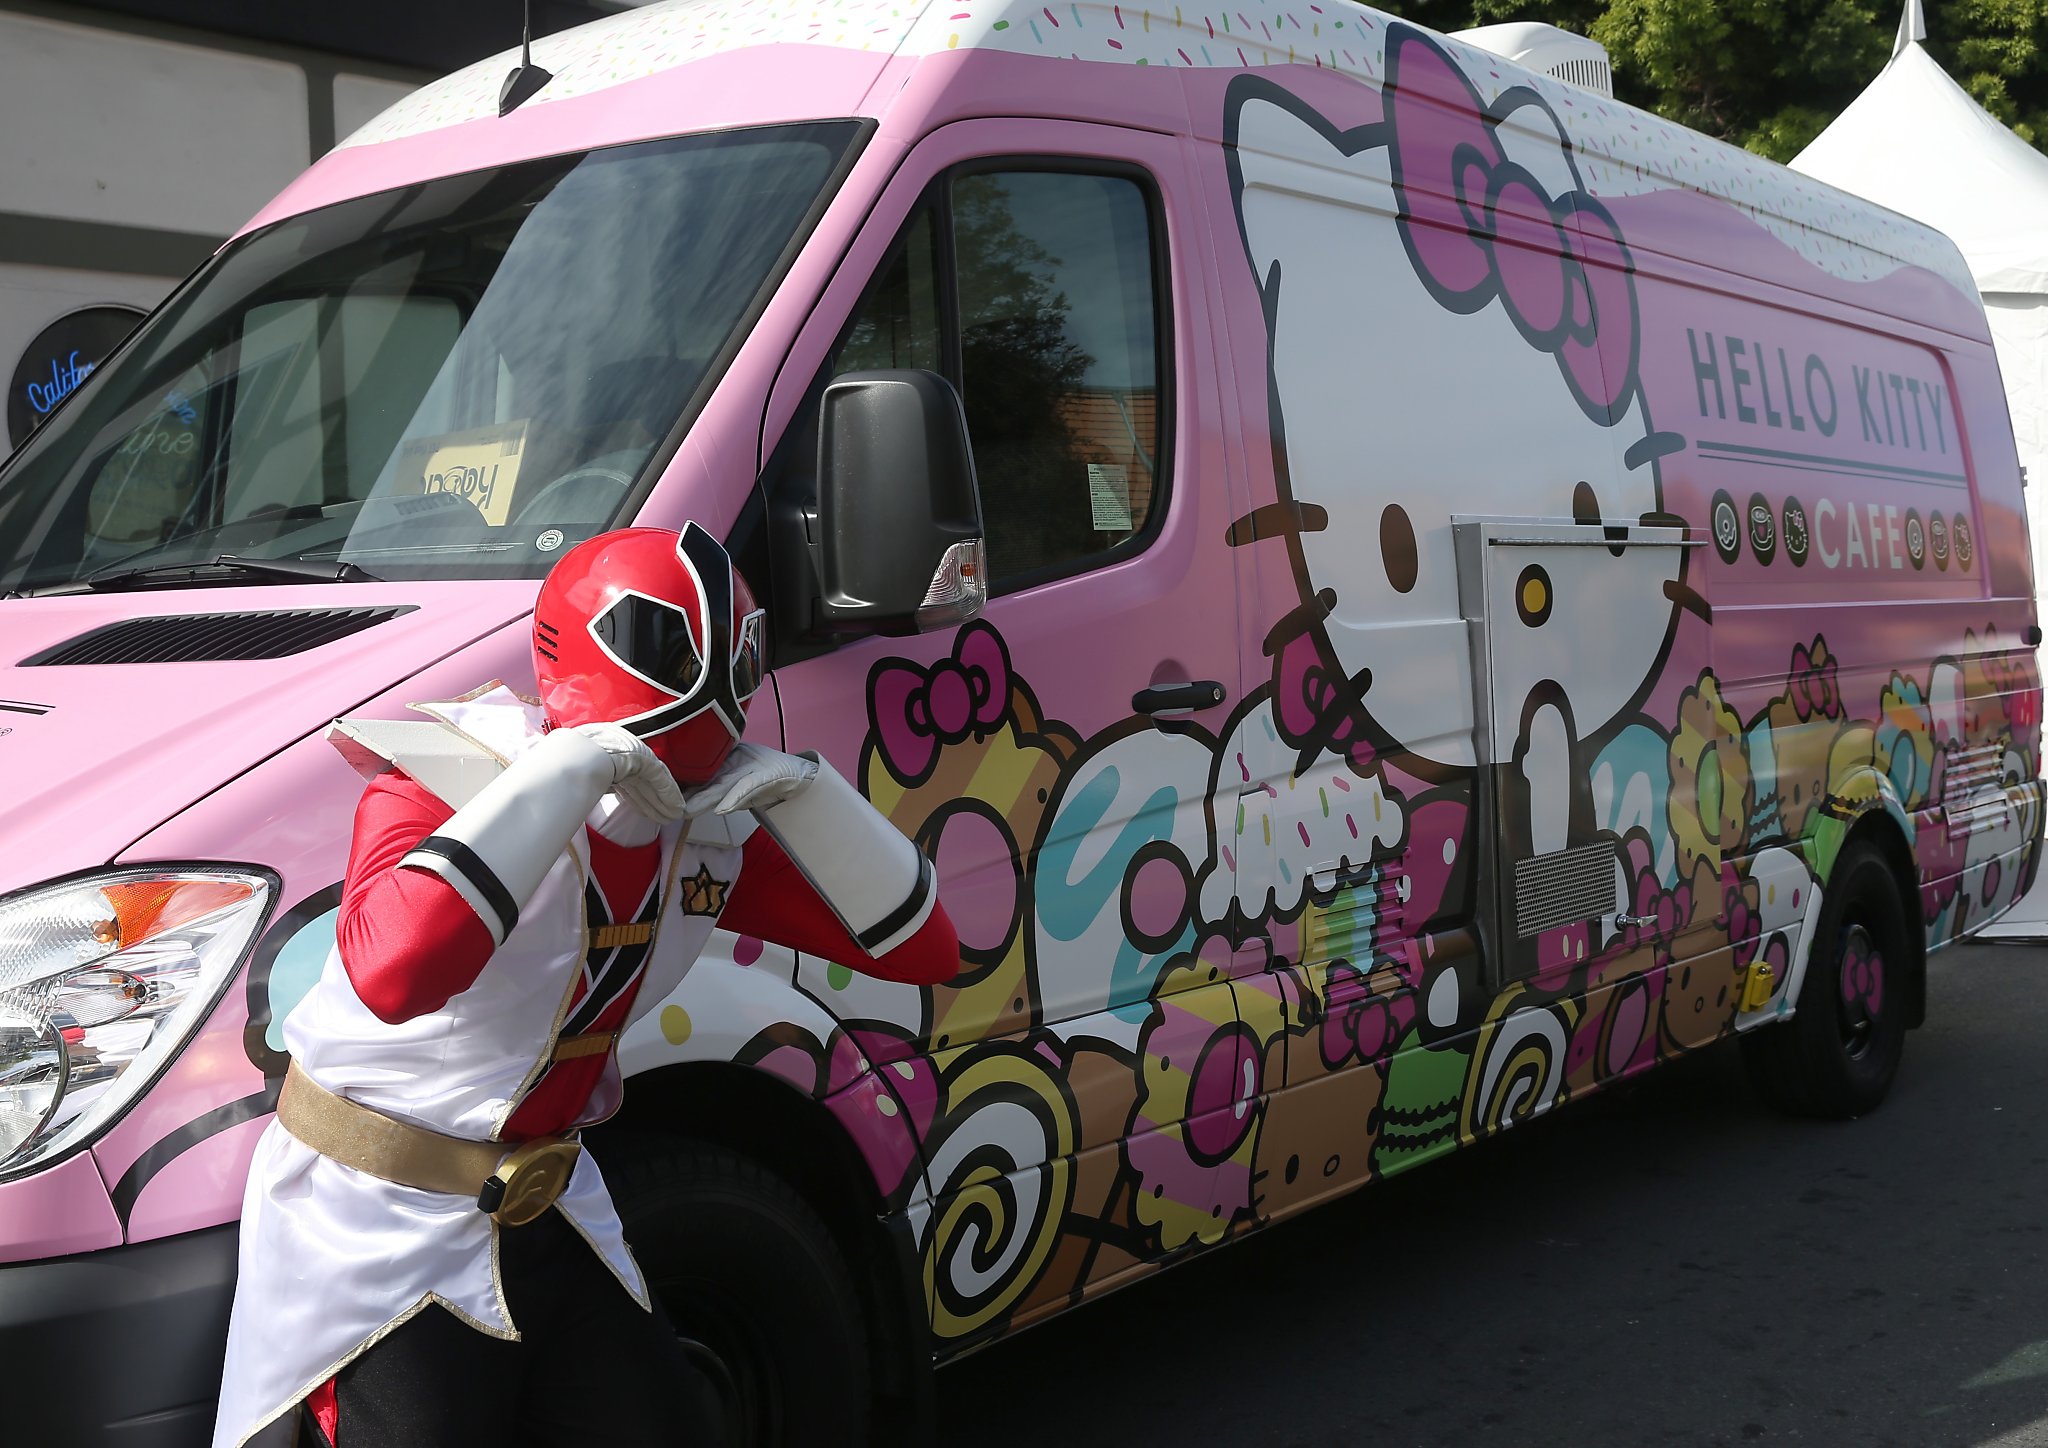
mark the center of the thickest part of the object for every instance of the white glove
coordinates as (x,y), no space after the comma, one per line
(638,777)
(497,849)
(751,778)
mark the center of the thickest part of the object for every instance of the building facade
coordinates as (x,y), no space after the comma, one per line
(137,135)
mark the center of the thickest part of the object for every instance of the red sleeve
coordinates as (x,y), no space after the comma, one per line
(407,940)
(773,900)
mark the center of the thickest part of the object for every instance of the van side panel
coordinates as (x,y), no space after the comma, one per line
(1847,476)
(1821,647)
(1411,344)
(1994,467)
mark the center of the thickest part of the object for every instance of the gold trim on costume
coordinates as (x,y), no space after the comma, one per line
(381,1146)
(590,1043)
(546,1056)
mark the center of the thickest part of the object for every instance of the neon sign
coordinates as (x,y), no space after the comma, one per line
(65,376)
(59,359)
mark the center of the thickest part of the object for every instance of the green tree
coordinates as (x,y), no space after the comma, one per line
(1766,74)
(1995,49)
(1573,15)
(1771,74)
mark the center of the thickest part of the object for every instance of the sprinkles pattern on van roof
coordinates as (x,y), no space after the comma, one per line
(1622,151)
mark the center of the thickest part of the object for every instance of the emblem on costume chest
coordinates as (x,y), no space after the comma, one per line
(703,893)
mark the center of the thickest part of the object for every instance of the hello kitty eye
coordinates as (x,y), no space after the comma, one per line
(1398,554)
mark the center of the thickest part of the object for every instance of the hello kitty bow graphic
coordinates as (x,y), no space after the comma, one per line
(914,710)
(1480,223)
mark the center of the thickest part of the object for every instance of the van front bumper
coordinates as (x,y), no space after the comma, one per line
(120,1348)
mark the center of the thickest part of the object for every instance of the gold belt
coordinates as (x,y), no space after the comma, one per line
(515,1184)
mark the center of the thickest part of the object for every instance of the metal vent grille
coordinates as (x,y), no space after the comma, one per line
(1590,74)
(1565,887)
(197,638)
(1970,789)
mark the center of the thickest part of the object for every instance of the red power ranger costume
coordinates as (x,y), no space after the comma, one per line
(523,883)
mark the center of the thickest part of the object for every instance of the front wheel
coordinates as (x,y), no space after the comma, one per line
(757,1288)
(1838,1054)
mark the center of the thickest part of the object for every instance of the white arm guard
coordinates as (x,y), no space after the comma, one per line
(878,883)
(501,845)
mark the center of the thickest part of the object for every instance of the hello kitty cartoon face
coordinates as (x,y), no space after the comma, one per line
(1453,332)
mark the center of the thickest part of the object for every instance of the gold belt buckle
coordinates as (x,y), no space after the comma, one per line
(528,1181)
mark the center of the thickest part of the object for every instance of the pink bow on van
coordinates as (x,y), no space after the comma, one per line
(1477,226)
(915,710)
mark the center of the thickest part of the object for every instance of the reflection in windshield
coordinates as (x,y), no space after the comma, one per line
(455,379)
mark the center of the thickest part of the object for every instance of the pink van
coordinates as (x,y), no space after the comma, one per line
(1485,591)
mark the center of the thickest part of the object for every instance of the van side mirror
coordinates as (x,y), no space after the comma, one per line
(898,529)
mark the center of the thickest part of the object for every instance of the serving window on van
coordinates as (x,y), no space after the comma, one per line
(1039,292)
(454,379)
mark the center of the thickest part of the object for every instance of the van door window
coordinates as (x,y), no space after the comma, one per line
(899,323)
(1035,293)
(1059,362)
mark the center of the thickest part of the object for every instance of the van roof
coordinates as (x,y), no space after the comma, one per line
(1621,151)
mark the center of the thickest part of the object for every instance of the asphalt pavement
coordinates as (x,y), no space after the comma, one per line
(1671,1263)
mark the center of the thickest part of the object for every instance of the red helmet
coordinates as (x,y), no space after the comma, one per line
(656,631)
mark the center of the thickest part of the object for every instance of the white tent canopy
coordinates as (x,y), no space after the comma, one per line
(1914,141)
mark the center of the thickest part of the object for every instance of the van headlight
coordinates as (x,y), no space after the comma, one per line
(101,981)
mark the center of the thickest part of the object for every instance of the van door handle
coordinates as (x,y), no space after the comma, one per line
(1166,699)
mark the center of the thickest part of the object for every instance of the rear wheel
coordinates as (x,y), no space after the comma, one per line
(1838,1054)
(757,1288)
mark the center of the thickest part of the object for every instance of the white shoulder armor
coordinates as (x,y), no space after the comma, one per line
(877,882)
(453,767)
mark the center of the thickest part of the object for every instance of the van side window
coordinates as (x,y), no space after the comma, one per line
(1034,292)
(899,323)
(1059,361)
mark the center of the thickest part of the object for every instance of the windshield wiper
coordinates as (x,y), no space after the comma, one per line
(222,569)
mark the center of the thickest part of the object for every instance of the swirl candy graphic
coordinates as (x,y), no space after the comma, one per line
(1519,1067)
(1001,1163)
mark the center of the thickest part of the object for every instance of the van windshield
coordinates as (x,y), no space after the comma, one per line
(452,379)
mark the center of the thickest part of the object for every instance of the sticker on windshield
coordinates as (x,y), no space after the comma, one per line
(481,465)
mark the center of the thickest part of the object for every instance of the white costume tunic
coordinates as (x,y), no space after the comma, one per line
(333,1259)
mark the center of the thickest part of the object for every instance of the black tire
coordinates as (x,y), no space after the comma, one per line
(755,1283)
(1838,1054)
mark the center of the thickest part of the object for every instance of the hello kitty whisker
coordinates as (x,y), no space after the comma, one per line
(1652,447)
(1689,600)
(1277,520)
(1299,620)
